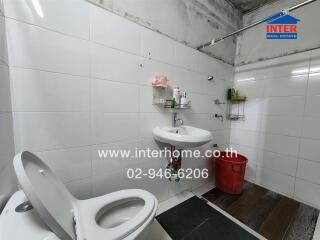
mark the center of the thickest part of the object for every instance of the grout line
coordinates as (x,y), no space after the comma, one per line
(90,106)
(302,126)
(233,219)
(48,29)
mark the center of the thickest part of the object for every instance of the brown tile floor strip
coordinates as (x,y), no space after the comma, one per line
(270,214)
(222,199)
(302,226)
(240,208)
(259,213)
(278,221)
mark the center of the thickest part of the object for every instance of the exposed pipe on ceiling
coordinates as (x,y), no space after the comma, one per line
(284,11)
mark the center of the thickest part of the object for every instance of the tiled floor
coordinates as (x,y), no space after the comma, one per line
(270,214)
(195,219)
(156,232)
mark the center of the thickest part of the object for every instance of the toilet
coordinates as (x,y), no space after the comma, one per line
(124,214)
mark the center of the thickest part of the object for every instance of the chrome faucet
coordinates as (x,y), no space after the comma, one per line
(175,120)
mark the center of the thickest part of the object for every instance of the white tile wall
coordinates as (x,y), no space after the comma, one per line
(73,15)
(38,91)
(85,84)
(38,48)
(1,8)
(105,29)
(40,131)
(3,42)
(114,65)
(6,139)
(65,161)
(7,179)
(283,110)
(5,103)
(150,46)
(275,181)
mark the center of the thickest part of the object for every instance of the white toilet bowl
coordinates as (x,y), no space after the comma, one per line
(124,214)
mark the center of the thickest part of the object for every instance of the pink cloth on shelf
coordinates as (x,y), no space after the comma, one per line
(161,80)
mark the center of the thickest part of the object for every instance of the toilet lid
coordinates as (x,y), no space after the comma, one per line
(48,195)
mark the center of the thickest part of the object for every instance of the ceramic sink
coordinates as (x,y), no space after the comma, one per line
(182,136)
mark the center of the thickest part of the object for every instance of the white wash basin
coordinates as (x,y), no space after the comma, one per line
(183,136)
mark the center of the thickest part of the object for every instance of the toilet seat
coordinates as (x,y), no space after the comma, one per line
(68,217)
(89,209)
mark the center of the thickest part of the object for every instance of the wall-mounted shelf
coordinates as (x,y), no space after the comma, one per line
(178,106)
(163,95)
(235,106)
(160,94)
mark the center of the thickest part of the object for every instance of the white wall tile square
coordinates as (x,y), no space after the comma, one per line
(309,149)
(275,181)
(292,106)
(34,90)
(105,29)
(313,106)
(255,106)
(246,138)
(286,86)
(69,164)
(280,144)
(114,97)
(114,127)
(314,82)
(40,131)
(185,57)
(73,15)
(114,65)
(309,170)
(315,61)
(1,8)
(6,138)
(284,125)
(3,41)
(221,137)
(157,46)
(34,47)
(307,192)
(278,162)
(202,103)
(5,103)
(311,127)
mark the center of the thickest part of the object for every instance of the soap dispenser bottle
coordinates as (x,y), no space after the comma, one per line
(183,98)
(176,97)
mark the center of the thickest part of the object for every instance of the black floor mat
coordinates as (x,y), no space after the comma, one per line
(194,219)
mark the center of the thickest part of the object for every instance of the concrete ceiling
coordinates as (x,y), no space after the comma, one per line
(248,5)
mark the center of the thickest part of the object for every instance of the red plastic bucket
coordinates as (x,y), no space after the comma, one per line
(230,170)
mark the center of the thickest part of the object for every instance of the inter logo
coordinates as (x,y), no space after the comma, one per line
(282,26)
